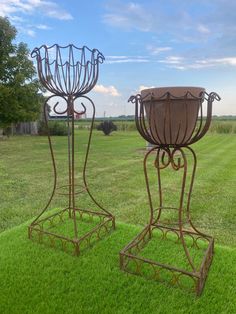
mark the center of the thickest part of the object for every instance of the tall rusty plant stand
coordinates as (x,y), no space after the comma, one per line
(171,119)
(69,73)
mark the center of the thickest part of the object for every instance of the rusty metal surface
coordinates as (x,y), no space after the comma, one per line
(174,154)
(148,129)
(69,73)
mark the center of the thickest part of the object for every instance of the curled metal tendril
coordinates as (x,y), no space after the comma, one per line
(57,111)
(212,96)
(134,98)
(179,163)
(166,157)
(70,108)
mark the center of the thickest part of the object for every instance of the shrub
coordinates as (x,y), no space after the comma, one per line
(107,127)
(55,128)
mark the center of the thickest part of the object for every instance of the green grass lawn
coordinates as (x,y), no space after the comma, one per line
(38,279)
(115,176)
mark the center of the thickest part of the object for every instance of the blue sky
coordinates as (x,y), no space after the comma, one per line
(145,43)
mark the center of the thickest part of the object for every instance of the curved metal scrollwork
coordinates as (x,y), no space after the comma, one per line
(171,124)
(169,156)
(69,73)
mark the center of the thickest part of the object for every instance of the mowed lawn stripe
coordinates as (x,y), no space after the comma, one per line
(115,174)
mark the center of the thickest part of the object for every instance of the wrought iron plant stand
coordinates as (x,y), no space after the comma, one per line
(173,121)
(69,73)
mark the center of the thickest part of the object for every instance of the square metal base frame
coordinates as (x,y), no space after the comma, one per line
(132,262)
(42,230)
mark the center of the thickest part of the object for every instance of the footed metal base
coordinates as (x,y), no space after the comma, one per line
(48,230)
(132,258)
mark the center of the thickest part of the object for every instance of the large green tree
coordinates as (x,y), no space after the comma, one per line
(20,99)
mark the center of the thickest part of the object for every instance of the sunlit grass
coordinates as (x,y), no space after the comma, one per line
(38,279)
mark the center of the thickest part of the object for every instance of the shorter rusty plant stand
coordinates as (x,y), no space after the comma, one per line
(69,73)
(174,119)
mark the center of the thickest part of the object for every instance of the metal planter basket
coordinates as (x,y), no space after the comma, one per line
(172,113)
(172,118)
(69,73)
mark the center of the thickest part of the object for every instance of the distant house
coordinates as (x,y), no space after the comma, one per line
(77,116)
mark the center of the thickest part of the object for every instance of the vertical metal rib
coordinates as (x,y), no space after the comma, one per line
(71,108)
(45,111)
(69,161)
(181,209)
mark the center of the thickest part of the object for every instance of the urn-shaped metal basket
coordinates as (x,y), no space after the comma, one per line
(68,70)
(69,73)
(173,116)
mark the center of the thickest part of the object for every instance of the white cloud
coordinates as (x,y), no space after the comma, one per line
(209,25)
(19,10)
(176,62)
(55,12)
(141,87)
(47,8)
(157,17)
(17,19)
(185,62)
(224,61)
(158,50)
(128,16)
(43,27)
(181,63)
(203,29)
(172,60)
(109,90)
(131,60)
(126,59)
(213,62)
(30,32)
(117,57)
